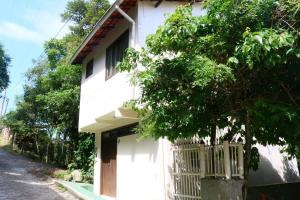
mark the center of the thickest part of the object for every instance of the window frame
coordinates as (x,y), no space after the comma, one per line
(89,72)
(113,54)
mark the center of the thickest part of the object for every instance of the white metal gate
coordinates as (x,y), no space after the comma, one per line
(194,161)
(187,172)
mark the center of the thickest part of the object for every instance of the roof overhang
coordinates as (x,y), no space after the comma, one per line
(102,27)
(105,24)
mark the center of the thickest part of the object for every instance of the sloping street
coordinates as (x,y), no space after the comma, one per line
(17,183)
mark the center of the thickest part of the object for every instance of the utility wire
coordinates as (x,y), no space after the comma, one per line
(43,54)
(3,109)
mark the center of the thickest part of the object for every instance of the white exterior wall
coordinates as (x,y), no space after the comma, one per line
(140,169)
(274,167)
(99,96)
(149,17)
(143,168)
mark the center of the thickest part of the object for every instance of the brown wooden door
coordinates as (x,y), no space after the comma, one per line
(108,164)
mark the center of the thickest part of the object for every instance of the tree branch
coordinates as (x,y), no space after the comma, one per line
(289,94)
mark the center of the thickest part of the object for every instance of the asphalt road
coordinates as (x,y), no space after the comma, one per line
(16,183)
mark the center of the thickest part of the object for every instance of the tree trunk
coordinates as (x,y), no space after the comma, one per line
(47,152)
(37,145)
(54,152)
(22,148)
(212,143)
(14,141)
(62,154)
(213,135)
(67,155)
(50,134)
(247,147)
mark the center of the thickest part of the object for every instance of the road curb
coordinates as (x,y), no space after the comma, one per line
(73,190)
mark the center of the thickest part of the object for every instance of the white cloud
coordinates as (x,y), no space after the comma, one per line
(40,26)
(19,32)
(46,23)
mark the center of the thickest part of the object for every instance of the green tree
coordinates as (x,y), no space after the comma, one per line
(84,14)
(4,63)
(56,51)
(237,67)
(45,122)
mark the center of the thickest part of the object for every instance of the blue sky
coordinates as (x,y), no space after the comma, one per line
(24,27)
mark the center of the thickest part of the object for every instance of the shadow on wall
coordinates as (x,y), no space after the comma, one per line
(274,168)
(133,147)
(291,174)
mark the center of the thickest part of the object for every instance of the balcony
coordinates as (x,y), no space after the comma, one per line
(102,104)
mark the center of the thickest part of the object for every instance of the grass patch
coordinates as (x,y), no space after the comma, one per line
(60,173)
(60,187)
(5,144)
(51,172)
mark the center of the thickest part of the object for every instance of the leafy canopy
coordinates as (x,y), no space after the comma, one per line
(45,121)
(84,14)
(237,66)
(4,63)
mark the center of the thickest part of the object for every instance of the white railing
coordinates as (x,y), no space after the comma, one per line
(187,172)
(194,161)
(214,161)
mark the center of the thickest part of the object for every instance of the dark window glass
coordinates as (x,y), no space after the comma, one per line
(89,68)
(122,131)
(115,53)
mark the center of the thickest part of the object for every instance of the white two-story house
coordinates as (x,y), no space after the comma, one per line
(124,167)
(127,168)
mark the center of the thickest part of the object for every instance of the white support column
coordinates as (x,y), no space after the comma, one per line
(97,164)
(227,160)
(202,160)
(241,160)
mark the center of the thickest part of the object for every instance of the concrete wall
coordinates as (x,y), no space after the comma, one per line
(139,169)
(274,167)
(221,189)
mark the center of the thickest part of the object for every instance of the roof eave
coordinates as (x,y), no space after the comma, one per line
(74,59)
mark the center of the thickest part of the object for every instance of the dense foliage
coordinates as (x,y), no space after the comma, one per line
(4,63)
(45,122)
(236,66)
(84,14)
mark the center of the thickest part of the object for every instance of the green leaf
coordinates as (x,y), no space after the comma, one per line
(233,60)
(259,39)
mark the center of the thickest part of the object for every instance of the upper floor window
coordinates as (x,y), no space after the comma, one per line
(115,53)
(89,68)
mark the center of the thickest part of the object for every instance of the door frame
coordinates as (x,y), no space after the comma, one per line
(117,132)
(111,138)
